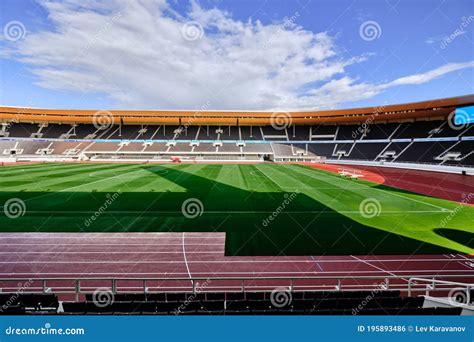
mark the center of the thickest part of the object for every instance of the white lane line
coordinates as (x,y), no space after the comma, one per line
(111,252)
(155,274)
(109,244)
(197,262)
(233,260)
(108,237)
(376,267)
(464,257)
(468,262)
(186,260)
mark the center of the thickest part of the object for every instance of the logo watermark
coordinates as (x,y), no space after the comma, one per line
(281,297)
(14,30)
(280,120)
(103,120)
(458,119)
(14,208)
(192,31)
(370,30)
(370,208)
(103,297)
(192,208)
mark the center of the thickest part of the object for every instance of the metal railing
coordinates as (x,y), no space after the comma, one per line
(441,285)
(84,285)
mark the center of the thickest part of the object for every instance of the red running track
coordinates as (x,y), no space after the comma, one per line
(450,186)
(195,255)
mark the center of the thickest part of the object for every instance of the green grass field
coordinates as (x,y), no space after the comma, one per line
(265,209)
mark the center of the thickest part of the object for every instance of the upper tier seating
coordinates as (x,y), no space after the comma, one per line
(366,131)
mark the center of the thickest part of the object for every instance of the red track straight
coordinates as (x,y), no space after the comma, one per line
(453,187)
(197,255)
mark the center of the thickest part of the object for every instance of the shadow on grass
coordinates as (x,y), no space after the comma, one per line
(300,224)
(460,236)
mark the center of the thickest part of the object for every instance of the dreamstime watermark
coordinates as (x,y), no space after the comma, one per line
(103,120)
(281,297)
(47,329)
(370,30)
(280,120)
(380,287)
(192,31)
(103,297)
(14,208)
(108,202)
(102,30)
(458,119)
(460,30)
(192,119)
(13,300)
(287,23)
(191,298)
(14,30)
(370,208)
(458,296)
(288,198)
(192,208)
(364,127)
(466,199)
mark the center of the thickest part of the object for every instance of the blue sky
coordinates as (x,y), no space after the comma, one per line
(246,54)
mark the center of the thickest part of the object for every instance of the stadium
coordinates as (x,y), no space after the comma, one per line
(365,211)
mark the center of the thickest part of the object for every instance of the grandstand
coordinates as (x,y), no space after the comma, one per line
(333,211)
(417,133)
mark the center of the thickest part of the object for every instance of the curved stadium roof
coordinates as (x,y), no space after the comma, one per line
(426,110)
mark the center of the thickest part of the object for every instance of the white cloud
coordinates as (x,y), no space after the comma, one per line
(134,52)
(428,76)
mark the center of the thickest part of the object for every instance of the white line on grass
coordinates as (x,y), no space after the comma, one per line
(220,212)
(79,186)
(442,209)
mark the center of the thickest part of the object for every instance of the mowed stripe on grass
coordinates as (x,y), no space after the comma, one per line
(265,209)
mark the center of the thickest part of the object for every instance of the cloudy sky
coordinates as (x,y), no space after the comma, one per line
(245,54)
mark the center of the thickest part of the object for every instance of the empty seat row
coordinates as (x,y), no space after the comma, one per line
(240,308)
(38,301)
(142,307)
(244,296)
(420,129)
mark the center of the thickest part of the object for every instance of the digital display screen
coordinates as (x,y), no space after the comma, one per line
(464,115)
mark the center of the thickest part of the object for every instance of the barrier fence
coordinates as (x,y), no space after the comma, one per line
(411,284)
